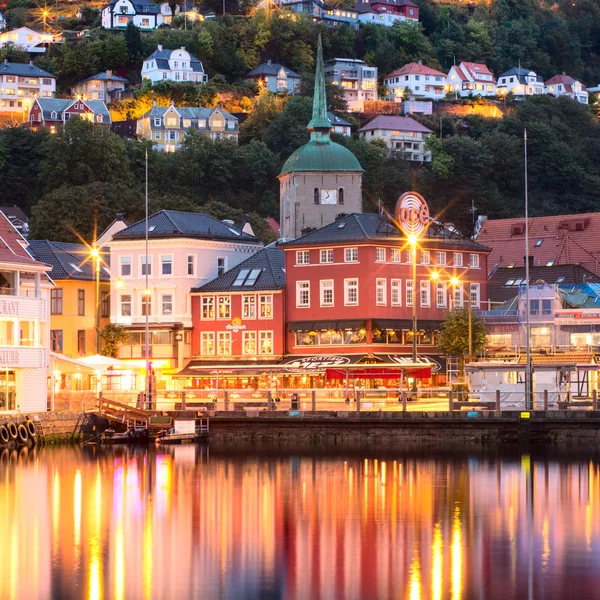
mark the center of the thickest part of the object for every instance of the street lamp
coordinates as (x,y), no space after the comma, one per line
(412,240)
(95,255)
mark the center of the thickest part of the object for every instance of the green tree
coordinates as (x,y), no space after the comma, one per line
(454,335)
(113,336)
(133,39)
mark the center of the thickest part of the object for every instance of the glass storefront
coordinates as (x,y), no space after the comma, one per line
(331,337)
(8,390)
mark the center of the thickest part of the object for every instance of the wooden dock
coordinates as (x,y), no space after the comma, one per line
(116,412)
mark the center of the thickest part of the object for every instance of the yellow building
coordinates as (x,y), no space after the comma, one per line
(73,300)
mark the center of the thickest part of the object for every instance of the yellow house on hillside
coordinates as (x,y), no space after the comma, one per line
(73,300)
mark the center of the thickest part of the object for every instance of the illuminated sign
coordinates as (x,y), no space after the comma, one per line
(9,307)
(412,213)
(316,363)
(235,325)
(585,316)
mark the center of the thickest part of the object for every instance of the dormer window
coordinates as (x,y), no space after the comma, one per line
(54,115)
(156,122)
(518,229)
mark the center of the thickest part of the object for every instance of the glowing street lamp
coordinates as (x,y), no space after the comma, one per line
(95,256)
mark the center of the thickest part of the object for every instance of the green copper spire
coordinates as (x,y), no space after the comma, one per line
(320,125)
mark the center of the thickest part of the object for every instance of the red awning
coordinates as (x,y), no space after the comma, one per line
(379,373)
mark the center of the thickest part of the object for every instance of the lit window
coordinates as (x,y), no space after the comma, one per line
(249,307)
(208,307)
(265,306)
(207,345)
(265,342)
(249,342)
(224,343)
(224,307)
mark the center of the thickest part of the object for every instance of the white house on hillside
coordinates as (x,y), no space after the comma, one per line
(357,79)
(144,14)
(173,65)
(520,82)
(21,84)
(2,22)
(26,39)
(469,79)
(563,85)
(422,81)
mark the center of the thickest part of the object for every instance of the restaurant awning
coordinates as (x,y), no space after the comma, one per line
(438,363)
(202,368)
(318,364)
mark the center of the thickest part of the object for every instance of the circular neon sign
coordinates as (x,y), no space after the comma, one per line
(412,213)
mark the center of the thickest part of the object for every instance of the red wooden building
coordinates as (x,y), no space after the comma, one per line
(50,112)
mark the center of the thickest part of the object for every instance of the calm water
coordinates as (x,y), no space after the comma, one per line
(195,523)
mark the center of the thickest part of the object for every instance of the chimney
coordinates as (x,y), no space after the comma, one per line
(159,47)
(31,63)
(183,48)
(419,62)
(109,74)
(6,61)
(531,263)
(269,62)
(153,103)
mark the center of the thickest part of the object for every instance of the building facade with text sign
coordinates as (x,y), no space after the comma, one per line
(24,331)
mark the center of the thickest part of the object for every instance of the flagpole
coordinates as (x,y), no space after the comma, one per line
(528,368)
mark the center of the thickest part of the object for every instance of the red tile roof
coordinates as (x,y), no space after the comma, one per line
(395,123)
(477,69)
(566,80)
(12,245)
(416,69)
(563,239)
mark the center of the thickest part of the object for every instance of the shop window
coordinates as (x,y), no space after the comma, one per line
(8,390)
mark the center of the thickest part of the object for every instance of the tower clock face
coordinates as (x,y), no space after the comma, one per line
(328,196)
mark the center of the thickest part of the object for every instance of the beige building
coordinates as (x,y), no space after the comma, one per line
(400,134)
(167,126)
(105,86)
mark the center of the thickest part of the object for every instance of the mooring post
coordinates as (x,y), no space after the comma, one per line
(183,400)
(357,401)
(595,400)
(545,399)
(498,400)
(313,397)
(450,402)
(226,399)
(403,396)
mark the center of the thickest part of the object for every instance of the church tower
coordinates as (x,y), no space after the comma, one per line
(322,179)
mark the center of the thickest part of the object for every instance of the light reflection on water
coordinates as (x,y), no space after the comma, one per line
(191,523)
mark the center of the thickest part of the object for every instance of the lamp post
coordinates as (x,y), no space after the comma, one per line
(95,254)
(412,240)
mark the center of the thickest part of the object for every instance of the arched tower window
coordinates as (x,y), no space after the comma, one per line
(341,196)
(316,196)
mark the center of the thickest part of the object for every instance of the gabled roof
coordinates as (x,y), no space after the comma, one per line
(163,55)
(174,223)
(51,105)
(68,261)
(335,120)
(141,6)
(566,80)
(12,245)
(521,74)
(415,69)
(97,107)
(23,70)
(269,260)
(359,227)
(552,238)
(14,212)
(474,70)
(102,77)
(186,112)
(269,68)
(366,7)
(395,123)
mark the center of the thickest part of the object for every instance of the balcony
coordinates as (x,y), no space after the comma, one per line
(22,306)
(18,357)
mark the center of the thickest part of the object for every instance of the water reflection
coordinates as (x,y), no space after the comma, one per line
(123,523)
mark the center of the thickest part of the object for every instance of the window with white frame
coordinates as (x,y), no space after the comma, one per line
(207,343)
(396,255)
(379,254)
(408,255)
(265,342)
(327,256)
(221,265)
(146,265)
(126,305)
(191,264)
(457,295)
(125,266)
(249,342)
(208,308)
(167,304)
(458,261)
(224,343)
(350,292)
(425,257)
(302,294)
(396,292)
(224,307)
(326,292)
(440,259)
(409,292)
(475,294)
(425,294)
(350,254)
(146,303)
(440,294)
(249,307)
(474,261)
(265,306)
(380,292)
(166,265)
(303,257)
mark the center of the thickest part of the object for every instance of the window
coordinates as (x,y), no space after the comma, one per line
(425,257)
(316,196)
(538,243)
(207,342)
(81,342)
(166,265)
(265,345)
(157,122)
(146,304)
(534,307)
(56,301)
(224,306)
(440,294)
(458,295)
(208,308)
(326,287)
(265,306)
(146,263)
(409,257)
(303,257)
(126,305)
(475,294)
(474,261)
(249,307)
(341,196)
(224,343)
(396,292)
(252,277)
(440,259)
(191,264)
(351,255)
(104,305)
(396,255)
(302,294)
(221,265)
(56,340)
(546,307)
(167,304)
(409,293)
(425,294)
(327,256)
(458,259)
(81,303)
(249,342)
(381,292)
(379,254)
(351,292)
